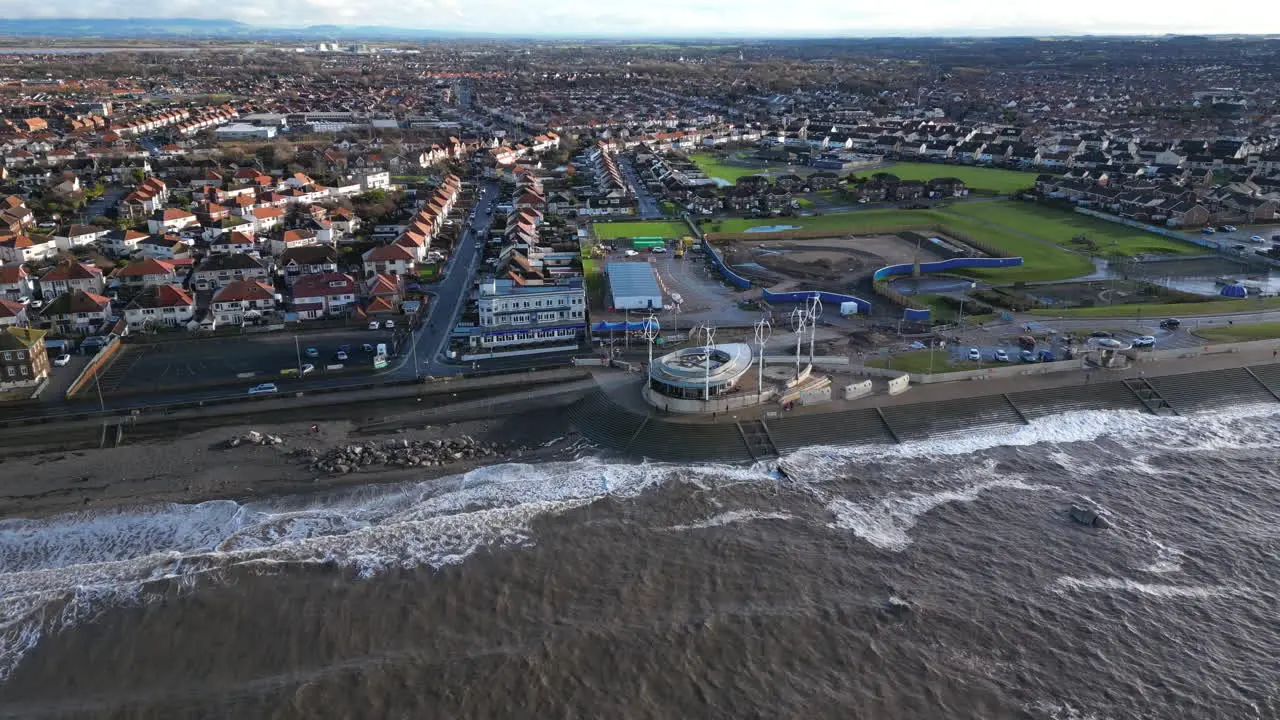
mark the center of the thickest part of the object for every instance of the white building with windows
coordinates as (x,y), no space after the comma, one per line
(528,319)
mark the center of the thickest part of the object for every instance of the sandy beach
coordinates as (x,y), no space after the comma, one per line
(200,466)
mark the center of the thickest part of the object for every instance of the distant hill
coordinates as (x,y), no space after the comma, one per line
(193,28)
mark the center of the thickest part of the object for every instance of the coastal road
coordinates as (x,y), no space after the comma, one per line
(425,354)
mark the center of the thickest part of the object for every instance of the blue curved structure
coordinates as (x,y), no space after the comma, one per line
(947,266)
(1234,291)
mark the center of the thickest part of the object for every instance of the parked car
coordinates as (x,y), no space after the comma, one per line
(658,249)
(1027,356)
(1046,356)
(35,304)
(1001,356)
(340,356)
(975,354)
(390,324)
(308,369)
(1257,239)
(630,253)
(1208,231)
(344,348)
(1144,341)
(374,324)
(366,348)
(1171,323)
(1101,334)
(312,352)
(1228,228)
(263,389)
(62,360)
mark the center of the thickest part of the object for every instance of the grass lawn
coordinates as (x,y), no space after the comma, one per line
(1060,226)
(714,168)
(835,222)
(1213,307)
(653,228)
(977,178)
(804,203)
(918,361)
(1241,333)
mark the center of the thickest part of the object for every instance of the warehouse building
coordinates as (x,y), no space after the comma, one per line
(633,286)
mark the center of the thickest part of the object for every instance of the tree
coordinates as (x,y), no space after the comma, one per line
(137,176)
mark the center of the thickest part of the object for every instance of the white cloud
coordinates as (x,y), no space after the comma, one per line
(694,17)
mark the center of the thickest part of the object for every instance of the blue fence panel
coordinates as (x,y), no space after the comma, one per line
(911,315)
(830,298)
(734,278)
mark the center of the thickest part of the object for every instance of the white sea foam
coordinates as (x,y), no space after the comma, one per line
(1066,584)
(1168,559)
(886,522)
(1235,428)
(58,571)
(732,517)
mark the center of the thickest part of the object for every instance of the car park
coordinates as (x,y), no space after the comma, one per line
(1001,356)
(62,360)
(975,354)
(264,388)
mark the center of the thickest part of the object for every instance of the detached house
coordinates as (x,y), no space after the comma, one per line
(389,260)
(170,220)
(323,294)
(79,312)
(23,359)
(147,273)
(234,243)
(22,248)
(70,276)
(291,239)
(122,243)
(160,306)
(242,300)
(308,260)
(75,236)
(220,270)
(266,218)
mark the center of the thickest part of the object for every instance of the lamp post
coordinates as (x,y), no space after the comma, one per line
(763,331)
(298,353)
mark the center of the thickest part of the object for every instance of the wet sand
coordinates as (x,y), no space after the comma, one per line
(199,466)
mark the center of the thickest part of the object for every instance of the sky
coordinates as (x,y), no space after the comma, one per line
(827,18)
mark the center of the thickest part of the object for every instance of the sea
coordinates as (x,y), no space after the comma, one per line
(939,579)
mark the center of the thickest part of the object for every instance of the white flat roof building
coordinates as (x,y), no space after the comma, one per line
(241,131)
(633,286)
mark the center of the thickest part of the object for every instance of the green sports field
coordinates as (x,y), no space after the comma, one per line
(1059,226)
(1150,310)
(977,178)
(653,228)
(714,168)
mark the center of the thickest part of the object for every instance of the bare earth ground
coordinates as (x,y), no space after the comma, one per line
(199,466)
